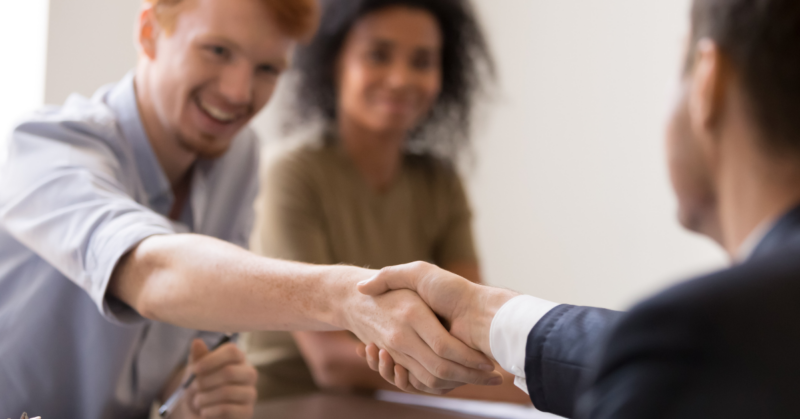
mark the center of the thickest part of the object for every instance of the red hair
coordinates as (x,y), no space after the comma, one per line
(296,18)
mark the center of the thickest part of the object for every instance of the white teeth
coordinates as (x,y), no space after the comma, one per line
(217,113)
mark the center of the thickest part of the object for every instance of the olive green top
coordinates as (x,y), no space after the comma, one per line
(316,207)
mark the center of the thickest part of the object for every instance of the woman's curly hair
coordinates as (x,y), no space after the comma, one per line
(466,63)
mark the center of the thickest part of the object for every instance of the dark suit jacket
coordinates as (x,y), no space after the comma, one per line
(723,346)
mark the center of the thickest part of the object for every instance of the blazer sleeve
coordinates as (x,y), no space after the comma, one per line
(560,349)
(657,354)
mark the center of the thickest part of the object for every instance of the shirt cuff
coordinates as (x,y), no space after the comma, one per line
(509,332)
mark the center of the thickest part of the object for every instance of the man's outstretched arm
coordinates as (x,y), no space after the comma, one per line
(203,283)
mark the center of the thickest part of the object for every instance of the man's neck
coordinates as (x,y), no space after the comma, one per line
(377,156)
(757,190)
(174,159)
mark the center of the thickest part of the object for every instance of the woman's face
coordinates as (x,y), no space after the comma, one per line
(389,72)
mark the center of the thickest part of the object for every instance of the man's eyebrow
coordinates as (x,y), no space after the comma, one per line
(281,62)
(220,39)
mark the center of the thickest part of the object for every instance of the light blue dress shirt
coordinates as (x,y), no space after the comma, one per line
(81,187)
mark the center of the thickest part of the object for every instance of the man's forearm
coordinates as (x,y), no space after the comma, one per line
(203,283)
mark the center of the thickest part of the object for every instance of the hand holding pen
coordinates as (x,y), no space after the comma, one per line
(221,384)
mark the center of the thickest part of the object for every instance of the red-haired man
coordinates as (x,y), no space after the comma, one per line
(123,220)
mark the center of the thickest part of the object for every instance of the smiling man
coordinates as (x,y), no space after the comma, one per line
(123,220)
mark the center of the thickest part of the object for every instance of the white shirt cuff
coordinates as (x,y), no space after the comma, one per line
(508,335)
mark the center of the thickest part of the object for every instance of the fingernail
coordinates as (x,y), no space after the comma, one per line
(496,381)
(486,367)
(367,281)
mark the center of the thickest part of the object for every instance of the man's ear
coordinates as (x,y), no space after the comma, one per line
(148,31)
(706,89)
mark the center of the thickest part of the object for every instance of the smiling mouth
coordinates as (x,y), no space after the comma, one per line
(216,113)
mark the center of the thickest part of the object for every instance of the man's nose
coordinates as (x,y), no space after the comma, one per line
(236,84)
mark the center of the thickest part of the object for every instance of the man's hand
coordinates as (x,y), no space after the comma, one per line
(402,324)
(467,308)
(224,386)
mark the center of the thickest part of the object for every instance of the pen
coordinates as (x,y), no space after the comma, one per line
(167,407)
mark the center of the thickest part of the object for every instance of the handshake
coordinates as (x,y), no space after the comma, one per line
(429,355)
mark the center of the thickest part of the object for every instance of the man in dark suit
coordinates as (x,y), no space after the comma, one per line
(723,346)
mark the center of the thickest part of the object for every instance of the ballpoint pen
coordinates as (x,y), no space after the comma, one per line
(170,404)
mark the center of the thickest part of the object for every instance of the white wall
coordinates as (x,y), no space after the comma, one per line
(23,41)
(570,190)
(572,196)
(90,44)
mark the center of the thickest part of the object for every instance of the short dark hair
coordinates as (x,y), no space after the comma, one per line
(761,40)
(466,62)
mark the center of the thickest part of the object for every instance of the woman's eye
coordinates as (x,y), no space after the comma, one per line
(379,57)
(423,61)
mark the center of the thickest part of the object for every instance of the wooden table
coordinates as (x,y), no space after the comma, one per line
(328,406)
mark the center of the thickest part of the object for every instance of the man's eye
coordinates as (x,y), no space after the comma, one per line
(219,51)
(268,69)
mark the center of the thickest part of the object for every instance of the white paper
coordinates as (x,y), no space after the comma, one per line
(495,410)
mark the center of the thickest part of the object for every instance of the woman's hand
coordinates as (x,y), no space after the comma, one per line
(224,384)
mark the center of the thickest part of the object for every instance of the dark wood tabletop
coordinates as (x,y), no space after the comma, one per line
(329,406)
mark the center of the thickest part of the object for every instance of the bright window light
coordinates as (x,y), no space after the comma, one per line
(23,40)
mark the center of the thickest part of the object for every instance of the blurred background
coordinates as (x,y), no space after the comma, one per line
(569,185)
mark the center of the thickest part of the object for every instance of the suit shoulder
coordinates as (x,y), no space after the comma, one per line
(769,277)
(703,344)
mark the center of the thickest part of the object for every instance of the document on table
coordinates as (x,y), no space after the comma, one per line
(495,410)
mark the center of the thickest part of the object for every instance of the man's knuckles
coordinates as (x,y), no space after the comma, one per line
(396,339)
(441,347)
(443,371)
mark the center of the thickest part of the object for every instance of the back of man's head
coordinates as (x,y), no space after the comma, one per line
(761,39)
(296,18)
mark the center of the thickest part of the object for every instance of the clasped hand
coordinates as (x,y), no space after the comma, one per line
(466,308)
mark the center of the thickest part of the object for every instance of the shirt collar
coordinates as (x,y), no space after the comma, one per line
(783,233)
(753,240)
(122,100)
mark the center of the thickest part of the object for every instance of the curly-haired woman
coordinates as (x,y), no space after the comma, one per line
(394,83)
